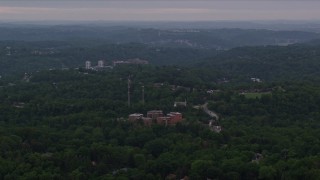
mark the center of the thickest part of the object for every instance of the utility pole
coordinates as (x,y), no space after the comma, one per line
(129,83)
(142,94)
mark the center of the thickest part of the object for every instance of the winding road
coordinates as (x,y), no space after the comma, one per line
(210,113)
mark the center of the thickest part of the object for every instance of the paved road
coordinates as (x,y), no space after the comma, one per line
(210,113)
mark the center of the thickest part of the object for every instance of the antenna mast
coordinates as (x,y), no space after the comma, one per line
(129,83)
(142,94)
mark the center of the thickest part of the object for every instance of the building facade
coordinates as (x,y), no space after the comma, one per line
(100,64)
(156,116)
(88,64)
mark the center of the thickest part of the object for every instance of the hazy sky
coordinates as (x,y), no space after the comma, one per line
(153,10)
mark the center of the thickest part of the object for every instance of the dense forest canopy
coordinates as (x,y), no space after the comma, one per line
(71,124)
(251,112)
(301,61)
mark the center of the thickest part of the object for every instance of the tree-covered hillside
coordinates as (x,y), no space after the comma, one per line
(18,57)
(272,63)
(248,112)
(72,124)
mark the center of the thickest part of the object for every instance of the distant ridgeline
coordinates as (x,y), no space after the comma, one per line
(194,38)
(63,47)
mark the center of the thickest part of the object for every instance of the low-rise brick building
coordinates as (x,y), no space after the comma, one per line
(147,121)
(156,116)
(175,117)
(163,120)
(171,119)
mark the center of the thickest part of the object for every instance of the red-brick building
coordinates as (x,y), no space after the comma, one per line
(175,117)
(157,116)
(163,120)
(171,119)
(154,114)
(147,121)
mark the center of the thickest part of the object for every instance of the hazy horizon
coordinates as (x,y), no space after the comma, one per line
(156,10)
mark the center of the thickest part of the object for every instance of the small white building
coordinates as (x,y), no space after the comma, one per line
(182,103)
(256,80)
(88,64)
(100,64)
(135,116)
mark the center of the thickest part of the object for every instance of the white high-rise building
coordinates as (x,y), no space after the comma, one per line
(100,64)
(88,64)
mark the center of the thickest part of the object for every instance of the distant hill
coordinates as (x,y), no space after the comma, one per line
(240,53)
(300,61)
(194,38)
(24,56)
